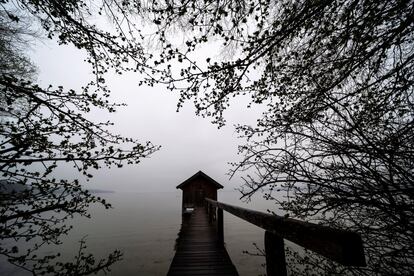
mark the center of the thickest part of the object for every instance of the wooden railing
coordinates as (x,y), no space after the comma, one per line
(344,247)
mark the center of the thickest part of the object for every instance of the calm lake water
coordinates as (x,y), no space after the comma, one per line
(144,226)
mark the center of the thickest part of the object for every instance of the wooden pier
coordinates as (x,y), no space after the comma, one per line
(200,246)
(198,249)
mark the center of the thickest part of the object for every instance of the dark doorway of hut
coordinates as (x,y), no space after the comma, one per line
(199,198)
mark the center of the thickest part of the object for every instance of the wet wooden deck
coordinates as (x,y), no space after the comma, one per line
(198,251)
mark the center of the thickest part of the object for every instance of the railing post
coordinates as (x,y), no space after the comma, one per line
(275,255)
(220,227)
(210,214)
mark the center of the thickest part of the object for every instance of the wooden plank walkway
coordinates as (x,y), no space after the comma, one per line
(198,251)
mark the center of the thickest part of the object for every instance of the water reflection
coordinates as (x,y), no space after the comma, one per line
(145,225)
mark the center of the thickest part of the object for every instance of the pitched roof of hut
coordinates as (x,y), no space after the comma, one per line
(202,175)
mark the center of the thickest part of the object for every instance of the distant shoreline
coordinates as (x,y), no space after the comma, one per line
(98,191)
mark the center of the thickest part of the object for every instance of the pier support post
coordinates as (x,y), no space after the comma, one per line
(211,211)
(220,227)
(275,255)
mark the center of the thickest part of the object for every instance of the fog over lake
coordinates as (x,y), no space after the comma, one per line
(189,143)
(144,226)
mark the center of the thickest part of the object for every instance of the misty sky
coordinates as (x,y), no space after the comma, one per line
(189,143)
